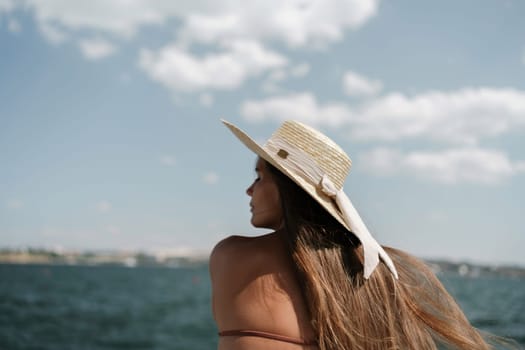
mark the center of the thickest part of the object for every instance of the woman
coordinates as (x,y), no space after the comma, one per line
(320,280)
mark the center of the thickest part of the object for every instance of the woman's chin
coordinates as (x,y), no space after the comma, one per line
(263,224)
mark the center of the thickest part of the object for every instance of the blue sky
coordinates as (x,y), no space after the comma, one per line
(110,135)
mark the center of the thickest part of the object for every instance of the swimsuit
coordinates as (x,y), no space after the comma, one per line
(267,335)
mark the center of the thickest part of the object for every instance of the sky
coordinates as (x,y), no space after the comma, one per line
(110,132)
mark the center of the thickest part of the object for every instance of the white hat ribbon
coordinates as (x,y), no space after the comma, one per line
(372,250)
(302,164)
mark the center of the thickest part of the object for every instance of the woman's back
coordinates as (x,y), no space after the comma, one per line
(255,289)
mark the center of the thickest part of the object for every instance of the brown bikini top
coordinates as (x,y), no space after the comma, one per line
(267,335)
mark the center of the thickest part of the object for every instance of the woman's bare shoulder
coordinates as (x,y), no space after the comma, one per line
(234,250)
(236,255)
(230,242)
(227,249)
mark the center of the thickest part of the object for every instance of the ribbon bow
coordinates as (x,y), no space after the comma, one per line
(372,250)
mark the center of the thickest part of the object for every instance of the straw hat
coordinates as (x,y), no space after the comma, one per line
(326,154)
(319,166)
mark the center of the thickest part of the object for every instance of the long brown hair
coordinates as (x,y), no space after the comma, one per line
(349,312)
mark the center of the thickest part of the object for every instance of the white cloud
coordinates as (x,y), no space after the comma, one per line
(297,23)
(302,107)
(271,84)
(99,15)
(53,34)
(233,33)
(104,206)
(452,166)
(254,56)
(15,204)
(14,26)
(462,116)
(358,85)
(94,49)
(209,28)
(211,178)
(180,70)
(459,117)
(167,160)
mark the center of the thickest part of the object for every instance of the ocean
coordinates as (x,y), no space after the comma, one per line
(112,307)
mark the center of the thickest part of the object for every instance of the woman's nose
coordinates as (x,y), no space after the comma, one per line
(249,190)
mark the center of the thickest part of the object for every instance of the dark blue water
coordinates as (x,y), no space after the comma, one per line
(77,307)
(491,303)
(62,307)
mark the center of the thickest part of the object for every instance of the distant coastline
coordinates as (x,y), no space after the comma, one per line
(104,258)
(187,258)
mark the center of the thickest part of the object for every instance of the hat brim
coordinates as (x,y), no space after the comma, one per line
(325,201)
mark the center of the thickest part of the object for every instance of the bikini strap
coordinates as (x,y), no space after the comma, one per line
(267,335)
